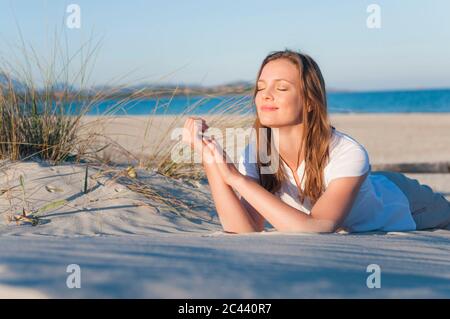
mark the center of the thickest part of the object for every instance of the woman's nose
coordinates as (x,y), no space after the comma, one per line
(267,95)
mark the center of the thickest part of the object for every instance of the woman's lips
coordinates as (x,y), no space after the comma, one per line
(269,108)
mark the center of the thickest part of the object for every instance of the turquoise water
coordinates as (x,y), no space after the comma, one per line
(428,101)
(390,102)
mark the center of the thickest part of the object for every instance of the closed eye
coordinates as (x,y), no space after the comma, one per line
(279,89)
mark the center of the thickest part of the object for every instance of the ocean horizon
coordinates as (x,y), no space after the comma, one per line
(413,101)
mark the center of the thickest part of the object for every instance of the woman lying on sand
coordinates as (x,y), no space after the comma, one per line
(323,182)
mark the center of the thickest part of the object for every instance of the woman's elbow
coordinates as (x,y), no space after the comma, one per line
(313,226)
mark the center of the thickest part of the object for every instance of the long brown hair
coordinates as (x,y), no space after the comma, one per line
(316,129)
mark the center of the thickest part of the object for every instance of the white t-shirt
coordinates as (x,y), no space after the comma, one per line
(380,204)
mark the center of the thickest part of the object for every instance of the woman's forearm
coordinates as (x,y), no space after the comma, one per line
(281,215)
(232,214)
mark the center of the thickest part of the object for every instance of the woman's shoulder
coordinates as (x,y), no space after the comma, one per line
(348,157)
(342,144)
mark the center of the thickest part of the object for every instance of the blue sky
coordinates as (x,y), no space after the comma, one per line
(215,42)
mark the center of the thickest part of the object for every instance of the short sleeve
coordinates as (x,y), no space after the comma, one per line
(351,161)
(247,162)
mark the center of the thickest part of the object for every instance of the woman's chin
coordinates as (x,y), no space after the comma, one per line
(270,123)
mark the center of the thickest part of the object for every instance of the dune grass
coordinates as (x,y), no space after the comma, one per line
(44,103)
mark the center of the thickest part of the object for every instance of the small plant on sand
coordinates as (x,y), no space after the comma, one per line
(29,215)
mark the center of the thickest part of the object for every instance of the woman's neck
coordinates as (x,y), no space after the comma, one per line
(290,138)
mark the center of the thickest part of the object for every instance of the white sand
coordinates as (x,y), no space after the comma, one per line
(413,265)
(130,246)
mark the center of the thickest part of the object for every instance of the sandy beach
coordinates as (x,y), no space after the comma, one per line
(129,245)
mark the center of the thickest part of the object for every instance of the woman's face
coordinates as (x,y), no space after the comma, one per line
(278,101)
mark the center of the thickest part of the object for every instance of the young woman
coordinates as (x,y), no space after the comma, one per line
(323,182)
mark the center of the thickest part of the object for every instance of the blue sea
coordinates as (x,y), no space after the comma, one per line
(427,101)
